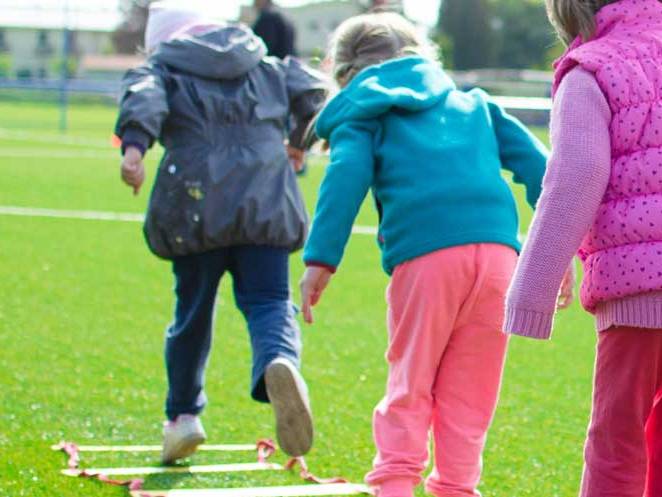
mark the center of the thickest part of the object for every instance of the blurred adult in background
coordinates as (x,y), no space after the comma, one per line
(275,29)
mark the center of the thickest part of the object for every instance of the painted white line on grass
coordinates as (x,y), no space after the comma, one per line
(41,137)
(11,210)
(159,470)
(157,448)
(289,491)
(364,230)
(57,153)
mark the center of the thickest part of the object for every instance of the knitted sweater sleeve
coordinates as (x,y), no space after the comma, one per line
(573,188)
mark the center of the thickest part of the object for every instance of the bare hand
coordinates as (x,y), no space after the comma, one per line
(133,170)
(312,285)
(567,292)
(296,157)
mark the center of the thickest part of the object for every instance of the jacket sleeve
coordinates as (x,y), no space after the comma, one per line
(346,183)
(143,106)
(307,90)
(520,152)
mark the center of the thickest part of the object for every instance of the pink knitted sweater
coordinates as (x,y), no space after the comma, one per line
(574,186)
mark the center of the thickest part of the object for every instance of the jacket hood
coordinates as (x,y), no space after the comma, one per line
(225,52)
(411,83)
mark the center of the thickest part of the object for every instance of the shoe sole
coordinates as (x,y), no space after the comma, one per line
(294,421)
(184,448)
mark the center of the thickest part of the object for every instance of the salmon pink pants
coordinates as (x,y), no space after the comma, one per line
(446,355)
(624,442)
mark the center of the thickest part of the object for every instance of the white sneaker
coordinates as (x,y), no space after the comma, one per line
(181,437)
(288,395)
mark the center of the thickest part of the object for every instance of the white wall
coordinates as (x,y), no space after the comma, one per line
(316,22)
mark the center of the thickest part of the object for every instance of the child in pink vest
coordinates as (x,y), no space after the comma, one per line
(602,199)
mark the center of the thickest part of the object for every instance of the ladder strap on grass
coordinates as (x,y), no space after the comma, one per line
(335,489)
(160,470)
(157,448)
(306,475)
(71,449)
(265,449)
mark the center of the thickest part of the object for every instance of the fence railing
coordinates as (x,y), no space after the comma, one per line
(96,87)
(531,110)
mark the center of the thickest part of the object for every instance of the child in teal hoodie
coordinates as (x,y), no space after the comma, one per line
(448,231)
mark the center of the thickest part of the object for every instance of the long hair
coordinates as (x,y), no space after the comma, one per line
(367,40)
(370,39)
(573,18)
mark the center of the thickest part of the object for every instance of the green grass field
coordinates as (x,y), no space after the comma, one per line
(83,310)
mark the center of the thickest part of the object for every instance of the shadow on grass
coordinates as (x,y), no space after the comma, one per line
(165,481)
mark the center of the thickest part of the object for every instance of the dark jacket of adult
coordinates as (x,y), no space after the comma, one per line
(220,109)
(277,32)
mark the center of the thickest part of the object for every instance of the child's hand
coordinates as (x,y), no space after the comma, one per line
(312,285)
(296,157)
(133,170)
(567,292)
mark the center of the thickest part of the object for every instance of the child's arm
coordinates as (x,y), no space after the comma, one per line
(133,169)
(307,90)
(348,178)
(143,108)
(573,188)
(520,152)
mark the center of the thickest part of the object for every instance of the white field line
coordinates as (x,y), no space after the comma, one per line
(289,491)
(159,470)
(58,153)
(157,448)
(128,217)
(10,210)
(63,139)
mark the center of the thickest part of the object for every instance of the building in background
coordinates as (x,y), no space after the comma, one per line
(32,38)
(32,35)
(30,52)
(315,21)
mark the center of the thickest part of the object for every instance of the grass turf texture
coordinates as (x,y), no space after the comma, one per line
(83,310)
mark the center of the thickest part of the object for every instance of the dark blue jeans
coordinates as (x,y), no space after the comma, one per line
(261,289)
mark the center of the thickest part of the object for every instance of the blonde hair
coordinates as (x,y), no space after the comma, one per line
(573,18)
(370,39)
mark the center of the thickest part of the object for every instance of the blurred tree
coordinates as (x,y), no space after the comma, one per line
(553,53)
(477,34)
(4,46)
(465,27)
(130,33)
(523,35)
(5,56)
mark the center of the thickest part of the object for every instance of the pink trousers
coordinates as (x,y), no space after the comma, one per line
(446,354)
(623,453)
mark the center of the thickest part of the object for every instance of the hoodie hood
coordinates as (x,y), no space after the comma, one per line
(225,52)
(412,83)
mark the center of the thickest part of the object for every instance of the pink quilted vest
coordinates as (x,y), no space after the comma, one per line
(622,253)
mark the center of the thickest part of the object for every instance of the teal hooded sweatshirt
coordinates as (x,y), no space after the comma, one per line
(432,156)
